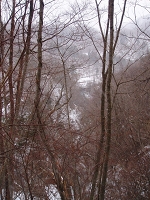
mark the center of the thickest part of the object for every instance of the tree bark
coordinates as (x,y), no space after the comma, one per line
(1,105)
(102,155)
(24,60)
(109,110)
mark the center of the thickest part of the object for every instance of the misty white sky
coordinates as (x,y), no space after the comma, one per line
(138,8)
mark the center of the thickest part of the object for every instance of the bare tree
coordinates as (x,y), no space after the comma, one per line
(109,45)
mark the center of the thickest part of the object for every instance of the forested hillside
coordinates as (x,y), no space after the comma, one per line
(74,101)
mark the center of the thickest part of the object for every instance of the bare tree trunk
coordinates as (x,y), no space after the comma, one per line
(66,91)
(1,106)
(24,59)
(39,70)
(96,181)
(109,110)
(65,82)
(58,178)
(102,155)
(8,161)
(36,111)
(10,78)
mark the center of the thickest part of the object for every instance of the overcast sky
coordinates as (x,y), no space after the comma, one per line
(140,8)
(134,9)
